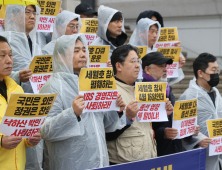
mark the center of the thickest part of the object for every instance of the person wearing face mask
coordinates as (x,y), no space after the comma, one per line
(155,70)
(209,102)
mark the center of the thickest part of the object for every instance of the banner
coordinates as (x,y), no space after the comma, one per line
(190,160)
(2,16)
(99,89)
(49,10)
(41,67)
(89,28)
(214,127)
(168,37)
(185,118)
(98,56)
(26,113)
(142,53)
(151,98)
(173,53)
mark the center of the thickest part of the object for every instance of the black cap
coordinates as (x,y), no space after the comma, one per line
(85,9)
(155,58)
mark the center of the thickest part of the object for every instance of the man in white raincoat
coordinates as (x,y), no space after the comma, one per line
(209,102)
(66,23)
(75,140)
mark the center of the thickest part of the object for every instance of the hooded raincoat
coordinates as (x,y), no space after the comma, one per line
(105,14)
(205,111)
(70,143)
(59,29)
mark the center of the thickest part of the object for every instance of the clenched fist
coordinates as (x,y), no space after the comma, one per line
(78,104)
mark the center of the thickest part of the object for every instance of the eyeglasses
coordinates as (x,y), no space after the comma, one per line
(74,27)
(135,61)
(29,13)
(215,71)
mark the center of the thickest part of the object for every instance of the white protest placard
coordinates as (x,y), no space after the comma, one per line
(174,54)
(26,113)
(185,118)
(41,67)
(98,56)
(151,98)
(49,10)
(89,28)
(99,89)
(214,127)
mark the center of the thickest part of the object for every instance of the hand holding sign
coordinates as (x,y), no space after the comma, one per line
(197,130)
(11,142)
(169,107)
(35,139)
(132,109)
(78,104)
(109,63)
(182,61)
(170,133)
(25,75)
(120,103)
(204,143)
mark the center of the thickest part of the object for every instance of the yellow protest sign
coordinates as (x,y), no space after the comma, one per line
(91,79)
(41,64)
(185,109)
(2,11)
(150,92)
(168,34)
(89,26)
(98,54)
(142,51)
(49,7)
(29,105)
(171,52)
(214,127)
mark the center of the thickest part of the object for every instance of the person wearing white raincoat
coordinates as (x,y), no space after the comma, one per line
(74,140)
(20,30)
(110,28)
(66,23)
(209,104)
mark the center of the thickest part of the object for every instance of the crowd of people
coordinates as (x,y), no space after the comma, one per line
(69,139)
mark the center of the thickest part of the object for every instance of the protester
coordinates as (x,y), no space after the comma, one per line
(66,23)
(209,101)
(12,148)
(85,10)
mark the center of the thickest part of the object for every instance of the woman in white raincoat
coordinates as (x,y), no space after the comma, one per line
(65,24)
(74,142)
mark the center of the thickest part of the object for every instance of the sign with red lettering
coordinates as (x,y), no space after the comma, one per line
(185,118)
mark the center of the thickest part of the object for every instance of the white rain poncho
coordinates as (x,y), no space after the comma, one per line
(59,29)
(18,41)
(43,38)
(105,14)
(72,144)
(205,111)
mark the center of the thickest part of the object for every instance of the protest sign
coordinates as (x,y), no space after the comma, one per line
(2,16)
(89,28)
(142,53)
(26,113)
(99,89)
(49,10)
(168,37)
(214,127)
(151,98)
(98,56)
(174,54)
(41,67)
(185,118)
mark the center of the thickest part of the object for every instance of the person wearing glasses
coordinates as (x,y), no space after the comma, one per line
(209,103)
(66,23)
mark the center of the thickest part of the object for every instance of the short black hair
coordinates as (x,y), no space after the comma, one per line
(3,39)
(120,54)
(117,16)
(201,62)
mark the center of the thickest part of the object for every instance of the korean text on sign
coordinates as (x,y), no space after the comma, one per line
(151,98)
(49,10)
(185,118)
(168,38)
(26,113)
(98,56)
(214,127)
(99,89)
(142,53)
(89,28)
(174,54)
(41,67)
(2,16)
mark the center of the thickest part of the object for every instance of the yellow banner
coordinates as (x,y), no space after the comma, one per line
(91,79)
(41,64)
(214,127)
(2,11)
(150,92)
(49,7)
(98,54)
(89,26)
(185,109)
(142,51)
(171,52)
(168,34)
(29,105)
